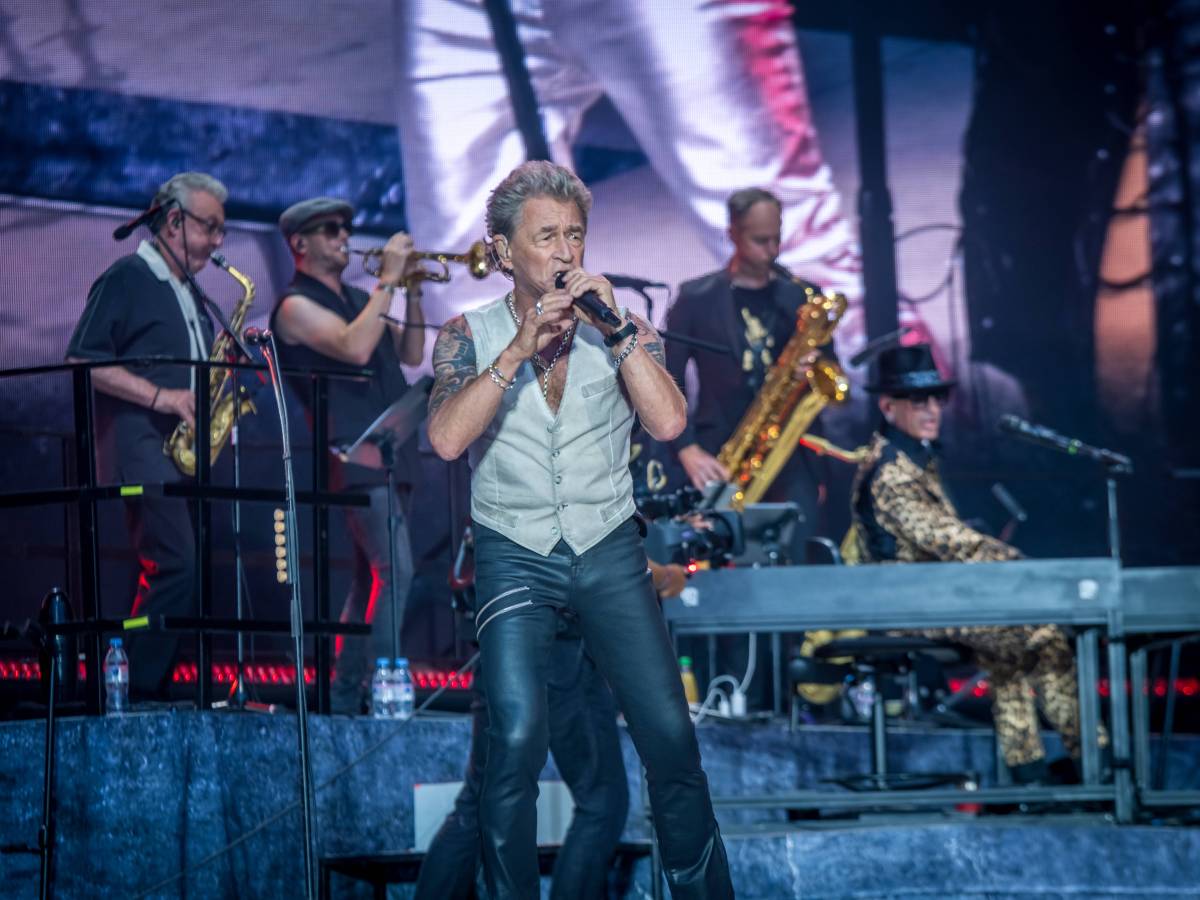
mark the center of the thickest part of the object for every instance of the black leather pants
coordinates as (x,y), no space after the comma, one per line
(609,591)
(587,751)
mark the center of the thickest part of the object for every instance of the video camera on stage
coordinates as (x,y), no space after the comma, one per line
(667,505)
(680,532)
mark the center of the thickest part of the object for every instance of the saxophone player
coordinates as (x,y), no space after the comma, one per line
(143,305)
(320,321)
(749,307)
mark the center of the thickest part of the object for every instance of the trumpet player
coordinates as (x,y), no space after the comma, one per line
(143,305)
(320,321)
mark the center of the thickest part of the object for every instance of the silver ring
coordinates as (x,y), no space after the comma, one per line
(537,308)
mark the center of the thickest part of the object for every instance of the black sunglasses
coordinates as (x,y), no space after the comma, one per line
(920,398)
(330,229)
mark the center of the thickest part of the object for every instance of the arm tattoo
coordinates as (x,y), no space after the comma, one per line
(454,363)
(650,340)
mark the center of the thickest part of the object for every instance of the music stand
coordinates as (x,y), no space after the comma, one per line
(376,448)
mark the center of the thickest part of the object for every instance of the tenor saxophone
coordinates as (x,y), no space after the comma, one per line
(180,446)
(788,402)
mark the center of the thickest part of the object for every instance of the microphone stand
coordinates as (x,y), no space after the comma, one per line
(203,301)
(388,456)
(1114,464)
(238,695)
(649,304)
(1111,471)
(723,349)
(376,448)
(297,613)
(673,336)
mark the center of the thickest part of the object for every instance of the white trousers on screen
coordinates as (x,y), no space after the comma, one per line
(713,92)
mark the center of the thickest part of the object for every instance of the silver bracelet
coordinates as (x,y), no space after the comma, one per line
(498,379)
(629,348)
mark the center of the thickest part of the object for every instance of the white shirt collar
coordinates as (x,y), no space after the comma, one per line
(187,305)
(154,260)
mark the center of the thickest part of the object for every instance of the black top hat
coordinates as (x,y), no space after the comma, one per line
(906,370)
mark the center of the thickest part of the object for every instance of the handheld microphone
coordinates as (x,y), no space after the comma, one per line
(633,282)
(591,304)
(257,336)
(123,231)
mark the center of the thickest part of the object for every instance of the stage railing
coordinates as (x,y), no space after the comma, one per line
(86,493)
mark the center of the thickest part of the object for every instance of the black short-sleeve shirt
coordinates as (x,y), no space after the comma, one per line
(353,404)
(130,312)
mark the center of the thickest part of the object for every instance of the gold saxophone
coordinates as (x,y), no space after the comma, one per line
(786,406)
(180,446)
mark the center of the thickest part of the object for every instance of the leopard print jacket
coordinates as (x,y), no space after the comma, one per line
(901,512)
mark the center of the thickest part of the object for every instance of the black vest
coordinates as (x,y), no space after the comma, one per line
(353,404)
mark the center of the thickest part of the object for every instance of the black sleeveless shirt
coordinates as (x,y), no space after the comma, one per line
(353,404)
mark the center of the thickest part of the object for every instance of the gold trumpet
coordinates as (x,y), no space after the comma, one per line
(477,259)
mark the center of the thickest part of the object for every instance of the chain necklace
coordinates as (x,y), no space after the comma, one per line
(536,359)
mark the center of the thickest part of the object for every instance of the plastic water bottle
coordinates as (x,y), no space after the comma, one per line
(863,698)
(403,693)
(116,678)
(691,690)
(381,689)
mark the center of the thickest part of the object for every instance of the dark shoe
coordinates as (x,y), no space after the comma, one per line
(1067,770)
(1035,772)
(1064,771)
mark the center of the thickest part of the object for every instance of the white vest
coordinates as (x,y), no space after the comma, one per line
(536,477)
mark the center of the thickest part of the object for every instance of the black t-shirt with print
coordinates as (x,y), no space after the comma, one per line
(765,329)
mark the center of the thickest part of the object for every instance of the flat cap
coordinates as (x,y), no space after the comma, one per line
(296,216)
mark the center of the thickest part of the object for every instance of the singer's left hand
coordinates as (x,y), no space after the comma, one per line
(577,282)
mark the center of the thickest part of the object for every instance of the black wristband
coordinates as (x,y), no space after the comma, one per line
(629,328)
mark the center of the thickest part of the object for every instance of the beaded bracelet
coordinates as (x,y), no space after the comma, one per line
(498,379)
(629,348)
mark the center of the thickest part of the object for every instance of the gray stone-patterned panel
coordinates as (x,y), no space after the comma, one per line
(142,797)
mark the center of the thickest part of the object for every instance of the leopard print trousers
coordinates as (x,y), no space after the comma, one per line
(1028,666)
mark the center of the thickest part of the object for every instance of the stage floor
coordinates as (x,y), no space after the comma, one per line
(146,797)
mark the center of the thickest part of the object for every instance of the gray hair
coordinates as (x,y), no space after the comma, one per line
(739,202)
(179,189)
(536,178)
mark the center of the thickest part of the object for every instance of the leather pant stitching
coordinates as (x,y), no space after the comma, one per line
(501,596)
(496,615)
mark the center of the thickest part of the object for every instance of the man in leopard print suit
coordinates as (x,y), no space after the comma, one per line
(901,513)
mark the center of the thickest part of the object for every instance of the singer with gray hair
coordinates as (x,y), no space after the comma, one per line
(542,394)
(901,512)
(145,304)
(322,322)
